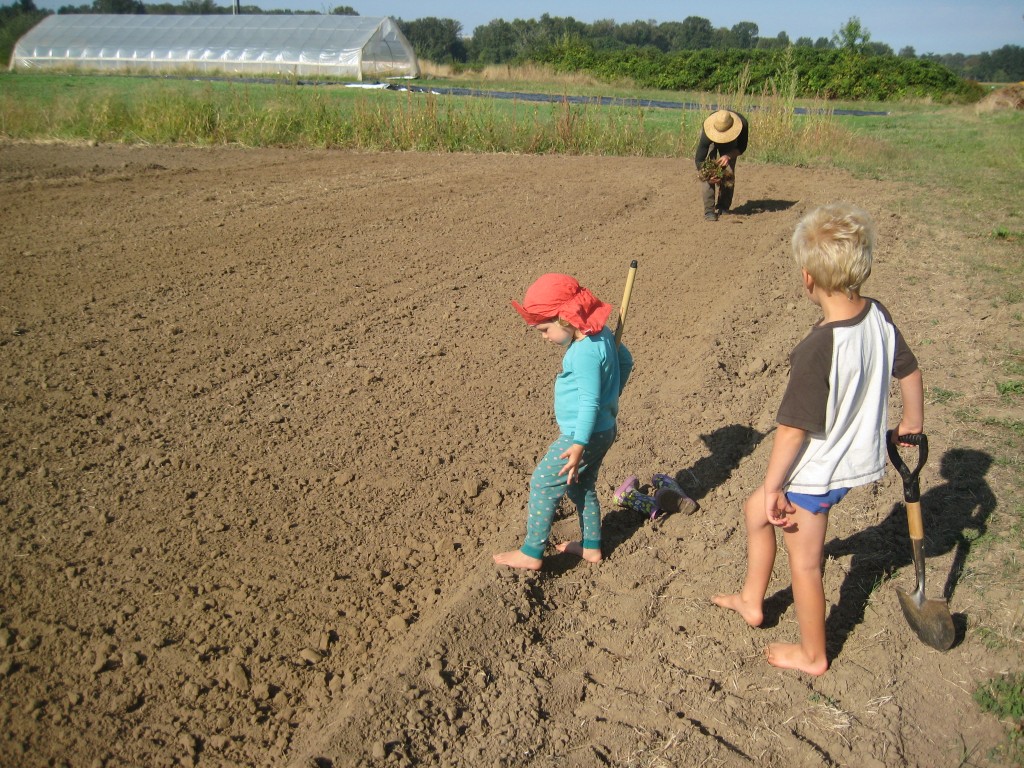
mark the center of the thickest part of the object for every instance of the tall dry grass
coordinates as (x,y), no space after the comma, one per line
(506,74)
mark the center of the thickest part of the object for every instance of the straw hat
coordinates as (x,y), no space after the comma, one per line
(723,126)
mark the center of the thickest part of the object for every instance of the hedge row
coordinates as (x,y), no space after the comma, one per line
(827,74)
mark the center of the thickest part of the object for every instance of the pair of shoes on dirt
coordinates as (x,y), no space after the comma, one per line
(666,496)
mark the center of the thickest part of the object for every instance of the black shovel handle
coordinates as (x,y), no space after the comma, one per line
(911,482)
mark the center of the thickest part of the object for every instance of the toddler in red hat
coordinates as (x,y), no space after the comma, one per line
(594,372)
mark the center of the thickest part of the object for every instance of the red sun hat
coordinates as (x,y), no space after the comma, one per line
(554,296)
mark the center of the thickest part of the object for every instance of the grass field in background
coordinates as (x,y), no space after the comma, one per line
(953,147)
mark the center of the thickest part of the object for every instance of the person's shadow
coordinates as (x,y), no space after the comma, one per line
(761,206)
(962,504)
(727,445)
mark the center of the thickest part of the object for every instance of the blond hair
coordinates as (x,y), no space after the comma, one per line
(835,244)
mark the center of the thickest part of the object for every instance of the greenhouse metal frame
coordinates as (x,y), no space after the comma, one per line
(354,47)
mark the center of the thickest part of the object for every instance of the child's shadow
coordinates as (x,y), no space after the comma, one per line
(963,503)
(727,445)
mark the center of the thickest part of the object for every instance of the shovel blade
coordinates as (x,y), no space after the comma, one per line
(929,619)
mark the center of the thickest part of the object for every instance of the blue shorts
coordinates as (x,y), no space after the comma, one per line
(817,503)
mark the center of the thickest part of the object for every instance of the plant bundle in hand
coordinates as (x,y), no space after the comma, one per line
(713,173)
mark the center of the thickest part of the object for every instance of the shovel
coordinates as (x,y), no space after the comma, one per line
(929,618)
(624,306)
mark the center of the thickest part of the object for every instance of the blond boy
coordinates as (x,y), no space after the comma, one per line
(831,424)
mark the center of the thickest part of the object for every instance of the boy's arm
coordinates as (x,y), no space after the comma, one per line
(912,393)
(785,449)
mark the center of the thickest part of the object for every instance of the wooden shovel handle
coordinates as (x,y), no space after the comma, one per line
(630,277)
(914,521)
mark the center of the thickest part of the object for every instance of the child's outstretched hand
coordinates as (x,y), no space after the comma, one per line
(574,454)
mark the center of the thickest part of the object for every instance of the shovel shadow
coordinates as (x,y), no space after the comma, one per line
(955,514)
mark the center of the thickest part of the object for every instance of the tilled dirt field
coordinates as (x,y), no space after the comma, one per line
(268,414)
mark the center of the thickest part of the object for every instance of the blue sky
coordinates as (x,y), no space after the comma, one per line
(930,26)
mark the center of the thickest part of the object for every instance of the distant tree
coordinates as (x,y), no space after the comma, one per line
(744,35)
(804,42)
(344,10)
(1009,61)
(636,33)
(550,29)
(878,49)
(602,36)
(908,52)
(15,21)
(773,43)
(602,27)
(823,44)
(433,39)
(118,6)
(852,37)
(200,7)
(695,34)
(493,43)
(666,35)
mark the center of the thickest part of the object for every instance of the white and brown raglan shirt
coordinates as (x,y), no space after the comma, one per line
(838,392)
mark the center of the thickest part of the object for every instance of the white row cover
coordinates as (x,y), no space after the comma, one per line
(340,46)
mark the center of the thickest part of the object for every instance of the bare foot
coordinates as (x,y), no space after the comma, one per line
(792,656)
(516,559)
(752,614)
(576,548)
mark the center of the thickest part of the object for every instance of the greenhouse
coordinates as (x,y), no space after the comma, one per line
(355,47)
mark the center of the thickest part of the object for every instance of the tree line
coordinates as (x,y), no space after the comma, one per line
(442,41)
(502,42)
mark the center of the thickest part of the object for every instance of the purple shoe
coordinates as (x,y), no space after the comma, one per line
(670,496)
(629,484)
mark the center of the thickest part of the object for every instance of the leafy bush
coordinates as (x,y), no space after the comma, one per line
(828,74)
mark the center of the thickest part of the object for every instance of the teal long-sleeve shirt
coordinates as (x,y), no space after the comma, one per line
(587,390)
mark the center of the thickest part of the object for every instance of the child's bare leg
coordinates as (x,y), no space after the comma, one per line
(577,548)
(516,559)
(761,549)
(805,542)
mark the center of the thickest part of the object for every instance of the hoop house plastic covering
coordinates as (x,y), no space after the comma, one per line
(342,46)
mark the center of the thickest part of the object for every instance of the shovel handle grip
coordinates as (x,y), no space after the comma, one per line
(911,482)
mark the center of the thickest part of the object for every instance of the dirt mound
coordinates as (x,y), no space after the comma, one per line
(267,415)
(1010,97)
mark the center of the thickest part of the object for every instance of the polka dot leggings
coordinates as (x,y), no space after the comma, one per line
(547,489)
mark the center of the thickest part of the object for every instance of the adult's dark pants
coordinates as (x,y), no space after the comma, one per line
(723,192)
